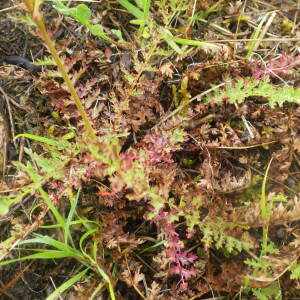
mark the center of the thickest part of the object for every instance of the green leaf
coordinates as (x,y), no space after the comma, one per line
(72,223)
(251,45)
(168,37)
(51,254)
(132,9)
(54,210)
(44,239)
(66,285)
(46,61)
(146,8)
(153,247)
(98,31)
(238,91)
(83,237)
(139,3)
(59,6)
(137,22)
(59,144)
(272,291)
(195,43)
(83,14)
(25,19)
(67,233)
(4,207)
(12,199)
(118,33)
(295,271)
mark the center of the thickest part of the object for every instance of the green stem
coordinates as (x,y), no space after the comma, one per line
(37,18)
(106,278)
(264,213)
(98,288)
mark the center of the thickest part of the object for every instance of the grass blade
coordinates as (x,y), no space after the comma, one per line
(59,144)
(73,201)
(194,43)
(53,243)
(146,8)
(132,9)
(83,237)
(153,247)
(252,45)
(60,220)
(66,285)
(77,222)
(51,254)
(264,213)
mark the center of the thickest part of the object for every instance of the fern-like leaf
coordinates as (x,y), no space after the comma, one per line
(237,92)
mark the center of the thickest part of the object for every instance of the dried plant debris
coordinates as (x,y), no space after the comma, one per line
(4,138)
(177,176)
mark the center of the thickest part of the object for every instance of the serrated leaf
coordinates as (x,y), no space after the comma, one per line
(238,91)
(46,61)
(295,272)
(82,14)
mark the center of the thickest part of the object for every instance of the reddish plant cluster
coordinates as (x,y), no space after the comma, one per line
(156,147)
(134,176)
(274,67)
(57,191)
(177,256)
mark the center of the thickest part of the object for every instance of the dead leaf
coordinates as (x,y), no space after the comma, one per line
(153,292)
(166,69)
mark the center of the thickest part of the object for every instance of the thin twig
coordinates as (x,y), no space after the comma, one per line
(295,17)
(238,23)
(264,31)
(13,132)
(254,40)
(132,282)
(251,134)
(9,8)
